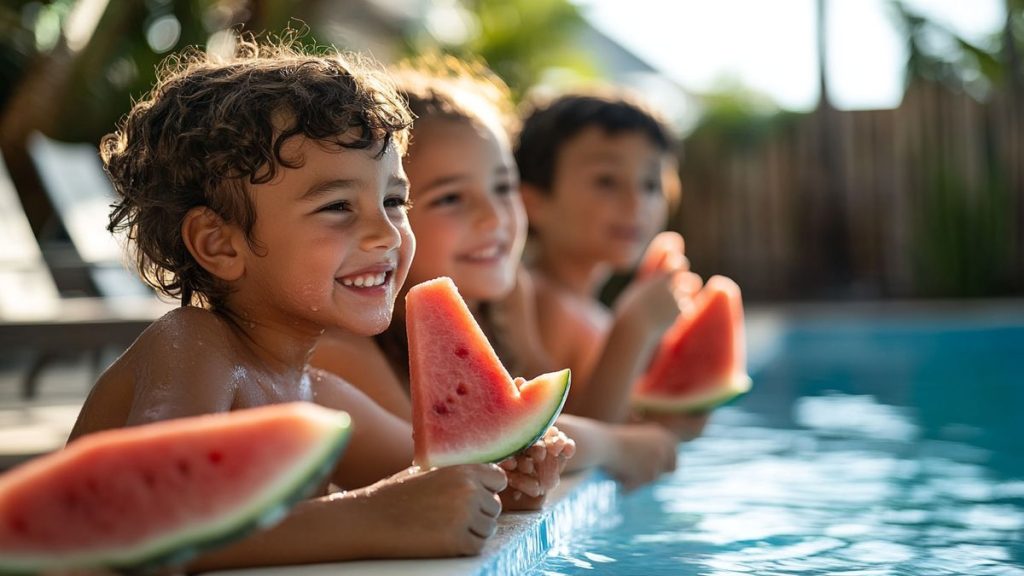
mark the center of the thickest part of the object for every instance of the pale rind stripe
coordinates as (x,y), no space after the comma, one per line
(724,390)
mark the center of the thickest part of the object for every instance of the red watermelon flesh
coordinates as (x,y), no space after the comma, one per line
(466,406)
(160,493)
(664,253)
(701,361)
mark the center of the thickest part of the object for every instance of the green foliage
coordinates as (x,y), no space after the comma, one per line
(738,118)
(519,40)
(963,236)
(936,53)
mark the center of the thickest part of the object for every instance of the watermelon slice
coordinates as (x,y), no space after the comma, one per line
(139,498)
(466,406)
(701,361)
(664,253)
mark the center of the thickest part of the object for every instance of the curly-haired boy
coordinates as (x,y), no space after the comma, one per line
(267,192)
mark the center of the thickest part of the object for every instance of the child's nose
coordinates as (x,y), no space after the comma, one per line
(379,232)
(488,214)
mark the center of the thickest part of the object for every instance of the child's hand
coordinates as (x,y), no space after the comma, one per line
(685,426)
(533,473)
(643,452)
(650,304)
(447,511)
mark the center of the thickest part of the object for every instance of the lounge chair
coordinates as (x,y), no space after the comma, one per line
(33,314)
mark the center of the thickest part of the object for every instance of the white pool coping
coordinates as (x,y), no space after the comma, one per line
(522,540)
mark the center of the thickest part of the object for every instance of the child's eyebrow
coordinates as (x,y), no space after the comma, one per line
(321,188)
(443,181)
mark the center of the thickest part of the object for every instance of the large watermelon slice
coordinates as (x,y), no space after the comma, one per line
(147,496)
(701,361)
(466,406)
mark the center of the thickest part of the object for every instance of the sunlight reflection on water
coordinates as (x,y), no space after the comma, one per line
(847,482)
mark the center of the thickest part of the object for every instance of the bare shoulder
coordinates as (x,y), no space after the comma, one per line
(188,327)
(181,365)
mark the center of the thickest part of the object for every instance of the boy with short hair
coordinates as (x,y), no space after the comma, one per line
(592,168)
(267,192)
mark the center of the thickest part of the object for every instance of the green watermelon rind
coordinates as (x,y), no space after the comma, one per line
(512,441)
(724,391)
(184,545)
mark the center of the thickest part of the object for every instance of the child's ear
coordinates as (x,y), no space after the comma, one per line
(214,243)
(535,201)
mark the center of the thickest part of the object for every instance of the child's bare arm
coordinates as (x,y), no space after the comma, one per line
(642,314)
(381,443)
(443,512)
(634,454)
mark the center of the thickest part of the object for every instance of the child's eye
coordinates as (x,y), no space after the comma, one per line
(340,206)
(449,199)
(401,202)
(504,189)
(652,187)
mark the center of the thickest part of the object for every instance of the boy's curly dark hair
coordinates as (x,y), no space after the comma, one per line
(209,128)
(548,126)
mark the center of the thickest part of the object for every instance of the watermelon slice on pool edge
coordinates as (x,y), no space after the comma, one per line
(139,498)
(701,361)
(466,406)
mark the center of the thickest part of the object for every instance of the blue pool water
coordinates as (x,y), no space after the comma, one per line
(867,447)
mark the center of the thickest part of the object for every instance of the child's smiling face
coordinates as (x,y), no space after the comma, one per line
(331,245)
(607,199)
(467,214)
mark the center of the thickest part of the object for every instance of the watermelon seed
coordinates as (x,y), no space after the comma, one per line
(440,408)
(461,390)
(215,457)
(70,500)
(19,525)
(461,352)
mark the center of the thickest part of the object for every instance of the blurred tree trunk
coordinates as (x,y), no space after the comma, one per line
(1015,113)
(44,92)
(32,107)
(828,211)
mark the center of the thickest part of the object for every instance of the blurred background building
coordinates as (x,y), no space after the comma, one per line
(800,194)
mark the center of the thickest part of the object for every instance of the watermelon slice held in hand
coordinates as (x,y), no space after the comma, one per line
(140,498)
(701,361)
(466,407)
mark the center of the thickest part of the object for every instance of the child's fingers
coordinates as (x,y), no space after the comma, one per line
(537,452)
(525,465)
(528,485)
(508,464)
(490,505)
(493,478)
(483,526)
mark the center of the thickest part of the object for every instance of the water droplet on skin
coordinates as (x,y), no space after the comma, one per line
(314,308)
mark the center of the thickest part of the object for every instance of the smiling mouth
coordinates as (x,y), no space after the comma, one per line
(484,255)
(370,280)
(625,233)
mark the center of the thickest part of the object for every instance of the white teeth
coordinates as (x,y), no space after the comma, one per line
(485,254)
(364,280)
